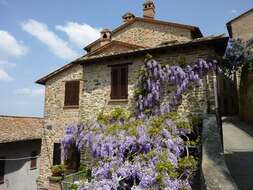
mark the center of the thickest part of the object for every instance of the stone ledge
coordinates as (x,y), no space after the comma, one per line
(215,174)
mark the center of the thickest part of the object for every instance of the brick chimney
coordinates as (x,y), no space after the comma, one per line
(149,9)
(128,17)
(106,37)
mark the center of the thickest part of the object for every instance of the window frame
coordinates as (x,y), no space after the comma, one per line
(67,95)
(119,86)
(2,173)
(33,160)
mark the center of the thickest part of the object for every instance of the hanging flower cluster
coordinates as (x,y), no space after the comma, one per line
(71,139)
(153,77)
(147,150)
(138,155)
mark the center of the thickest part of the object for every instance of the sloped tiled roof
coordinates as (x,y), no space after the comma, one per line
(219,40)
(114,42)
(13,128)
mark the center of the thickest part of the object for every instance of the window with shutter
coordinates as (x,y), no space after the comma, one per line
(119,82)
(72,89)
(2,169)
(33,164)
(57,154)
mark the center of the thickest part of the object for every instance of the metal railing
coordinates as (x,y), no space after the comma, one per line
(70,180)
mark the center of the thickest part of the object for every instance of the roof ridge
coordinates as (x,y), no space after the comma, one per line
(111,43)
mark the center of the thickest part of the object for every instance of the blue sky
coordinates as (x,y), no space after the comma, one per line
(38,36)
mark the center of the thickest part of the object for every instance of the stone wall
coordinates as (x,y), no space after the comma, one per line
(243,27)
(95,95)
(97,84)
(214,171)
(246,96)
(56,117)
(151,34)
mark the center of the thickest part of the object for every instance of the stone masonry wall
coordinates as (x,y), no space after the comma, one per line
(95,90)
(149,34)
(97,81)
(56,117)
(243,27)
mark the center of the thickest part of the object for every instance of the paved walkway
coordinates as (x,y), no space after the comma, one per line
(238,148)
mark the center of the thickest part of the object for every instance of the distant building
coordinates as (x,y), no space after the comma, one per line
(242,27)
(20,147)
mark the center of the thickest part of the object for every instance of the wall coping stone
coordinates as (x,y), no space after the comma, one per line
(214,171)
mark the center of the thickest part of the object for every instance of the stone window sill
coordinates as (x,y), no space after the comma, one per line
(71,107)
(118,100)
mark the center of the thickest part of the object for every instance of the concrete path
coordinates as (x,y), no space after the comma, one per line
(238,148)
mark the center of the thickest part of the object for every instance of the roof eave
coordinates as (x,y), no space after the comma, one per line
(221,41)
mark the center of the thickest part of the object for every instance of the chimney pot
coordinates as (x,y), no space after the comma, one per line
(106,37)
(128,17)
(149,9)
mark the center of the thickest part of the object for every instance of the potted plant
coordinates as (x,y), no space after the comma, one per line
(57,170)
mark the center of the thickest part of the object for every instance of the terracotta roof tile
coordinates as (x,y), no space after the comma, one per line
(15,128)
(85,58)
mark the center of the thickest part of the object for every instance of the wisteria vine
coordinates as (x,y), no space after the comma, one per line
(154,77)
(148,150)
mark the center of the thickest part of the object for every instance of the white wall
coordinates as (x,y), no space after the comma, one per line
(18,175)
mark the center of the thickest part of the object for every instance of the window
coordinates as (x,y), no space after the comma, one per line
(57,154)
(72,93)
(119,82)
(33,161)
(2,169)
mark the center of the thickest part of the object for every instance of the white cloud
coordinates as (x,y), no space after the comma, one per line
(4,76)
(58,46)
(10,47)
(234,11)
(79,34)
(30,92)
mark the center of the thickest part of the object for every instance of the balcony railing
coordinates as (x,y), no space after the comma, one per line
(72,180)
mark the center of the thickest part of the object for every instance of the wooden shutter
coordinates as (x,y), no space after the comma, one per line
(2,169)
(33,164)
(124,82)
(57,154)
(119,82)
(114,83)
(72,89)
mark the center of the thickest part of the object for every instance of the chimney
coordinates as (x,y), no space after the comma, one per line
(106,37)
(149,9)
(128,17)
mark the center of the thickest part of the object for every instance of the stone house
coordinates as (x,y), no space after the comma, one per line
(242,27)
(20,145)
(104,78)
